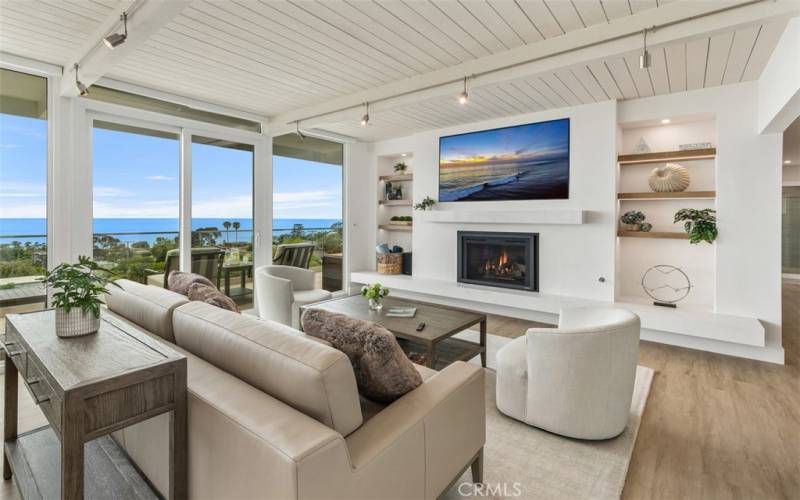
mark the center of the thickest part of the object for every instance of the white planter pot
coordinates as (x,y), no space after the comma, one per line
(75,323)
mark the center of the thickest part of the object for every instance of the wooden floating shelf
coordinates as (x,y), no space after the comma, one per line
(397,203)
(652,234)
(694,154)
(698,195)
(397,178)
(394,227)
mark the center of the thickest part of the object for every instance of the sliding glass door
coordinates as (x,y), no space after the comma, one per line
(222,214)
(23,191)
(308,196)
(136,182)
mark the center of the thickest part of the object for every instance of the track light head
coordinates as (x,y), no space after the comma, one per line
(644,59)
(114,40)
(82,89)
(365,118)
(463,97)
(297,131)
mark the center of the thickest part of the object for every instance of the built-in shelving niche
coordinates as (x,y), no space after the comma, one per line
(667,242)
(387,232)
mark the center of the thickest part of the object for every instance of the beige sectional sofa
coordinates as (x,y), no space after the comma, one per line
(275,414)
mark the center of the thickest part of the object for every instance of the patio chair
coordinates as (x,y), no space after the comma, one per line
(205,261)
(294,254)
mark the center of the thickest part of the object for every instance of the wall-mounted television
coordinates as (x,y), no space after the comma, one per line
(523,162)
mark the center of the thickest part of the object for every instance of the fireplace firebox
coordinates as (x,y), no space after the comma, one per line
(507,260)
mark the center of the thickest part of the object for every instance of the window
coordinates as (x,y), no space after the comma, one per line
(307,204)
(222,214)
(136,185)
(23,191)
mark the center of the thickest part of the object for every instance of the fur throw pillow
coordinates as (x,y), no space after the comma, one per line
(210,295)
(383,372)
(180,282)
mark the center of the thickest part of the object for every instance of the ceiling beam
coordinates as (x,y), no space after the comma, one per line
(676,21)
(145,17)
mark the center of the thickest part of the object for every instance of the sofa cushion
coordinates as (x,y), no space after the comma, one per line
(382,370)
(179,281)
(210,295)
(313,378)
(148,306)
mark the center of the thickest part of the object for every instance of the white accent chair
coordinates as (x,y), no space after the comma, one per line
(575,380)
(281,290)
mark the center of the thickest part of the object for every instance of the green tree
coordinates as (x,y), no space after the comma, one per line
(227,226)
(297,230)
(236,226)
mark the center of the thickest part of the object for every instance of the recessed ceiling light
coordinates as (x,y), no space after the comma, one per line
(787,162)
(404,154)
(665,121)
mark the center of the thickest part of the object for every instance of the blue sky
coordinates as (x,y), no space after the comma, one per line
(138,176)
(512,143)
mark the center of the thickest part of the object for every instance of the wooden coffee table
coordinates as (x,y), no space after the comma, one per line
(441,323)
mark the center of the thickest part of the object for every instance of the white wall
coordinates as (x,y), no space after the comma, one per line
(572,257)
(779,84)
(748,180)
(360,217)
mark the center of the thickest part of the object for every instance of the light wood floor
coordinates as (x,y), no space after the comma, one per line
(715,427)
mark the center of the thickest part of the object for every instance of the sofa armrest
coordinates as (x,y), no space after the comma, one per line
(451,408)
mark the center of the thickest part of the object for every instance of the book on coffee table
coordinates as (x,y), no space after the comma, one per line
(401,312)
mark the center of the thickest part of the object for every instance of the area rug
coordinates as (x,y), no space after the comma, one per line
(524,462)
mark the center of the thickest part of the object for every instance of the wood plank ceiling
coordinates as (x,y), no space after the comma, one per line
(270,56)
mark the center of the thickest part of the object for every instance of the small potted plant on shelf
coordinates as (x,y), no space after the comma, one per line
(632,220)
(77,296)
(425,204)
(375,293)
(400,167)
(401,220)
(700,225)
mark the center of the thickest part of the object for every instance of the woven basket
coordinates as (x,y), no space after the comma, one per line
(390,263)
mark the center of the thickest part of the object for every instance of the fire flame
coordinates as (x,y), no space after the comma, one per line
(503,259)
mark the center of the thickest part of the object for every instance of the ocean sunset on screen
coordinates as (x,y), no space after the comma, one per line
(525,162)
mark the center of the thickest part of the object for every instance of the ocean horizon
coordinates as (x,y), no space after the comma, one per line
(130,230)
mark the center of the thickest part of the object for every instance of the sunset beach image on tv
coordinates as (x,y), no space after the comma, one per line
(524,162)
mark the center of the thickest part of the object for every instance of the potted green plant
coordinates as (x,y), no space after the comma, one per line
(632,219)
(400,167)
(425,204)
(401,220)
(375,293)
(700,225)
(77,296)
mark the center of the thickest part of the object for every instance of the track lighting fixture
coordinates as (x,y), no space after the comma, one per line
(365,118)
(463,96)
(644,59)
(83,89)
(297,130)
(114,40)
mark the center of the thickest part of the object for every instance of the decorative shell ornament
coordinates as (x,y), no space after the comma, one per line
(669,178)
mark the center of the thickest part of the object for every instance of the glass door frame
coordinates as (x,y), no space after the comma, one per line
(87,111)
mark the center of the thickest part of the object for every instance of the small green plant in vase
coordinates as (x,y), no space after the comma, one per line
(425,204)
(374,293)
(700,225)
(400,167)
(77,296)
(633,220)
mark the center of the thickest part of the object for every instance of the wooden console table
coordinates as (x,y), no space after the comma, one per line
(88,387)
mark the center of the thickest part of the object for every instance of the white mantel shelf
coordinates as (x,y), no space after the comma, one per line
(688,321)
(530,216)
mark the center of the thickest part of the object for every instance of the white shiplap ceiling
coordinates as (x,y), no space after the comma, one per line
(271,57)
